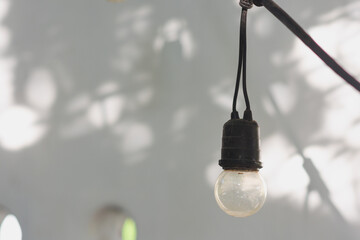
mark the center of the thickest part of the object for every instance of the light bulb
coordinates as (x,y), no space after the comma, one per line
(240,193)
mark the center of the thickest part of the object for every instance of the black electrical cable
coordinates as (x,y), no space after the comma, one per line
(234,113)
(290,23)
(293,26)
(242,66)
(243,39)
(247,113)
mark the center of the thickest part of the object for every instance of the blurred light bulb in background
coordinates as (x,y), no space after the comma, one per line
(240,193)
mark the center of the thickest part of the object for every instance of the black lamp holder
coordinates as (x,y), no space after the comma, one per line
(241,141)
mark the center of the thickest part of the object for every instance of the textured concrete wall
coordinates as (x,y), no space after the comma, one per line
(122,104)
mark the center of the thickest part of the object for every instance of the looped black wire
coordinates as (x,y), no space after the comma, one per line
(242,64)
(235,114)
(244,45)
(280,14)
(246,4)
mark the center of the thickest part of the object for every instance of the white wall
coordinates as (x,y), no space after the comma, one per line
(123,104)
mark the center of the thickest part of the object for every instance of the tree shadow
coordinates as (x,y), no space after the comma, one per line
(150,158)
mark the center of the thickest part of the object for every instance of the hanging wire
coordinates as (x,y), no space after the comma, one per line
(243,40)
(234,113)
(298,31)
(246,4)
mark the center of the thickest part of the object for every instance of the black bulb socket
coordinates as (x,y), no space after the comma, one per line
(240,145)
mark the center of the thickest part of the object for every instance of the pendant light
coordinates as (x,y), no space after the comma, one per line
(240,191)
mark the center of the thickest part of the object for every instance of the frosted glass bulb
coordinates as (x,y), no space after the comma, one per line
(240,193)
